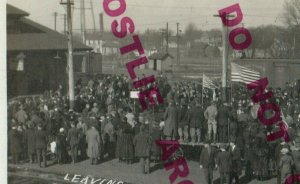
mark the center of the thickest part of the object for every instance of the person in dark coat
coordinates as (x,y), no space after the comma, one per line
(142,143)
(73,138)
(196,121)
(15,143)
(41,145)
(223,162)
(156,135)
(110,139)
(223,116)
(125,143)
(30,138)
(235,169)
(182,120)
(61,145)
(207,162)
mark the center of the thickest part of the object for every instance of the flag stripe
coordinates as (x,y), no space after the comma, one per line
(243,74)
(208,83)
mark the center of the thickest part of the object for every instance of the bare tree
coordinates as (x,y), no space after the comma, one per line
(291,13)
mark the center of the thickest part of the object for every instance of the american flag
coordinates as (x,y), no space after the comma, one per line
(243,74)
(208,83)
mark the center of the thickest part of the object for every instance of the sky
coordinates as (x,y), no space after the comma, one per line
(154,14)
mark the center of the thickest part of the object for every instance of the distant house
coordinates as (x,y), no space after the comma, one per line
(160,61)
(36,55)
(104,43)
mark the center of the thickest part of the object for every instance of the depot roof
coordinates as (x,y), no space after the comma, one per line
(34,36)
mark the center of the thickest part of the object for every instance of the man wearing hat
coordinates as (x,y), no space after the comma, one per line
(236,166)
(223,115)
(61,145)
(207,161)
(170,117)
(94,142)
(295,152)
(196,119)
(210,114)
(142,143)
(41,145)
(224,163)
(182,120)
(15,145)
(73,138)
(30,141)
(21,116)
(285,164)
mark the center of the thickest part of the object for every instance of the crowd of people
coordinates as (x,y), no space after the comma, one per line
(106,124)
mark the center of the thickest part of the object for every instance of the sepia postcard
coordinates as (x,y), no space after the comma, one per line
(150,91)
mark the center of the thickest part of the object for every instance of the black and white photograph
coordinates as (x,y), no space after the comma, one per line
(150,92)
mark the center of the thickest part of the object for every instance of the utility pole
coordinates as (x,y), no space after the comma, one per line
(101,23)
(224,57)
(55,19)
(82,20)
(65,24)
(167,38)
(70,55)
(93,14)
(177,35)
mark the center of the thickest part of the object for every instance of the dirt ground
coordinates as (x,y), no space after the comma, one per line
(128,173)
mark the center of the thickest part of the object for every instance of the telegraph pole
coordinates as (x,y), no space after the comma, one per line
(224,57)
(167,38)
(82,20)
(70,55)
(177,35)
(55,18)
(65,24)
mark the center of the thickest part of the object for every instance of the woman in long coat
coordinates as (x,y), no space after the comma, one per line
(94,141)
(15,144)
(125,143)
(170,117)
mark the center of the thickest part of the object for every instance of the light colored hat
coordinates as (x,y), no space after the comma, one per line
(61,130)
(284,150)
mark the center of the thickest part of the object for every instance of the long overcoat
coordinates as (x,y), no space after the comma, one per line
(170,120)
(142,142)
(15,142)
(94,141)
(30,138)
(41,139)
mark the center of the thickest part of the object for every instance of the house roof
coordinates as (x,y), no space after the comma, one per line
(111,44)
(160,56)
(11,10)
(105,36)
(47,39)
